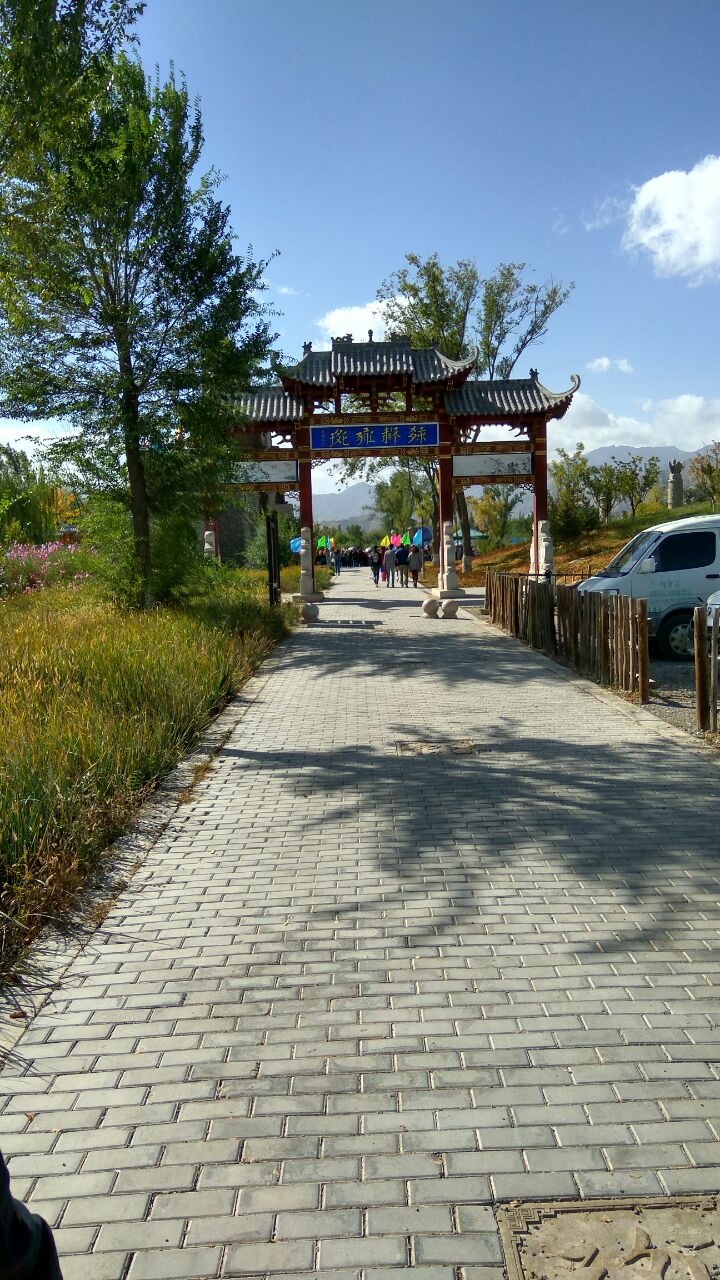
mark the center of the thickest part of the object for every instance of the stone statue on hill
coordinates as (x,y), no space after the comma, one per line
(675,484)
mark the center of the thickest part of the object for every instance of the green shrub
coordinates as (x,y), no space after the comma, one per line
(107,528)
(255,553)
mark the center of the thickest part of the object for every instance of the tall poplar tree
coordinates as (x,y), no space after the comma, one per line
(124,309)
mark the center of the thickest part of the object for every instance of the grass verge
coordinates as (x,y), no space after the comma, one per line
(96,705)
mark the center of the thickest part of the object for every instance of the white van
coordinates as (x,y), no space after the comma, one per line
(674,566)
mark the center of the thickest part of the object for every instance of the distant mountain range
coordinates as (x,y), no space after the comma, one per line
(666,453)
(356,503)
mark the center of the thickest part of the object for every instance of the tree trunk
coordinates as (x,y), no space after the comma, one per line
(435,528)
(139,510)
(464,517)
(140,516)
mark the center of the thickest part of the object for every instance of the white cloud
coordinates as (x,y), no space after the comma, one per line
(603,364)
(687,421)
(609,210)
(288,292)
(675,218)
(354,320)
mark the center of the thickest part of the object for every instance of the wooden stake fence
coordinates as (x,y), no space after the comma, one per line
(706,669)
(604,637)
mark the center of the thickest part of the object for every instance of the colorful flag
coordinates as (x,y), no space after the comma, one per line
(405,540)
(385,541)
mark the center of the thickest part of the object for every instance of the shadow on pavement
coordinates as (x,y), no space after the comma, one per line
(623,829)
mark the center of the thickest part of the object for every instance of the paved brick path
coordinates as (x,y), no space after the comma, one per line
(356,994)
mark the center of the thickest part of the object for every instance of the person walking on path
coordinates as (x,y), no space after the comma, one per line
(401,561)
(375,564)
(414,563)
(337,560)
(389,566)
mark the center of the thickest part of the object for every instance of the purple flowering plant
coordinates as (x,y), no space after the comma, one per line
(25,568)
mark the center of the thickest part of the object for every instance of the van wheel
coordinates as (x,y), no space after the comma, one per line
(674,637)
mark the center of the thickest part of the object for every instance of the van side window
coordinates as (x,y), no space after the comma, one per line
(684,551)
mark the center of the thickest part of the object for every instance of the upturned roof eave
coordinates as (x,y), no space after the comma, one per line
(549,404)
(458,371)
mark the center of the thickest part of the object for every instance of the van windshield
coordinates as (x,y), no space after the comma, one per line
(636,549)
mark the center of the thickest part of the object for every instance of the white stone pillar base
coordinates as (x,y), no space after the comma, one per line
(448,587)
(307,590)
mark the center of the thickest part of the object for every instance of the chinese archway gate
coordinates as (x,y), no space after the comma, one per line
(389,400)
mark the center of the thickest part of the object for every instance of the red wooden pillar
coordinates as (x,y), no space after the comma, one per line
(305,478)
(540,488)
(445,488)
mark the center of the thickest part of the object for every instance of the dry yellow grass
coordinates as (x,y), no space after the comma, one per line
(95,705)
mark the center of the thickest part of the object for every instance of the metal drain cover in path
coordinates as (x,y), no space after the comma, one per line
(434,747)
(677,1238)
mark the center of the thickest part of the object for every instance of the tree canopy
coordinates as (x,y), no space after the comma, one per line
(124,308)
(51,52)
(453,307)
(705,474)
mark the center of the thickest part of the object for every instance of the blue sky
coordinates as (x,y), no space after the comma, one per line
(578,137)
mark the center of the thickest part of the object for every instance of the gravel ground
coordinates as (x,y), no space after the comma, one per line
(673,693)
(673,696)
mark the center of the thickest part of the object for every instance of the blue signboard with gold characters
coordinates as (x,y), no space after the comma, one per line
(375,435)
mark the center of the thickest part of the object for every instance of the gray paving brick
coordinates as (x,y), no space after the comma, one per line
(325,1223)
(192,1204)
(68,1186)
(41,1163)
(475,1217)
(452,1190)
(171,1263)
(142,1157)
(73,1239)
(460,1250)
(619,1182)
(381,1191)
(96,1209)
(412,1221)
(228,1228)
(105,1266)
(652,1155)
(704,1152)
(534,1186)
(134,1235)
(277,1199)
(363,1253)
(289,1256)
(326,1170)
(567,1159)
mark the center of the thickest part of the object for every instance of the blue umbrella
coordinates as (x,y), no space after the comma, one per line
(295,545)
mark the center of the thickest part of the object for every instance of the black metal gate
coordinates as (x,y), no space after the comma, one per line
(273,550)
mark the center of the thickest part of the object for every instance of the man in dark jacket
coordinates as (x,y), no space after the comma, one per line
(401,561)
(27,1249)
